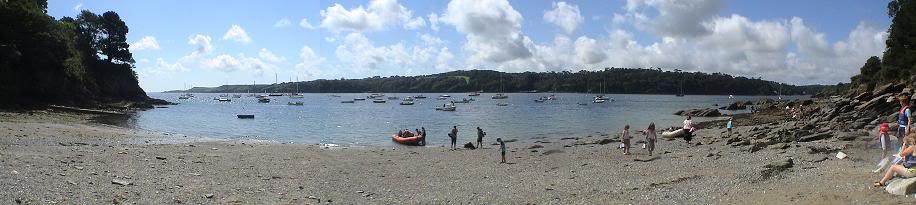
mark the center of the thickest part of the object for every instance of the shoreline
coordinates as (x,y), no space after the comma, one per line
(65,158)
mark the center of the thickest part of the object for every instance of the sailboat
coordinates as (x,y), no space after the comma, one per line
(600,98)
(501,89)
(296,94)
(186,95)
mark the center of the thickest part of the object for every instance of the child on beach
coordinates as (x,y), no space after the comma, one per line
(728,126)
(625,138)
(502,149)
(480,135)
(884,139)
(650,138)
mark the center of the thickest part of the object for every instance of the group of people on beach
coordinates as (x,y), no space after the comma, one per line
(904,162)
(651,136)
(453,137)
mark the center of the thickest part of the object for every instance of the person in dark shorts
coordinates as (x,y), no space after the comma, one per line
(480,135)
(453,135)
(423,136)
(502,149)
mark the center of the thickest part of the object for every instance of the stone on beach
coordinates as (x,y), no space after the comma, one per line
(901,186)
(120,182)
(705,112)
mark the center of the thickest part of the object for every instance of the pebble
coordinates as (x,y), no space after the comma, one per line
(160,157)
(209,196)
(120,182)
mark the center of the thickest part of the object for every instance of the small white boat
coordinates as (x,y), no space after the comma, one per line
(445,96)
(406,102)
(236,96)
(224,99)
(598,101)
(474,94)
(296,95)
(500,96)
(442,98)
(420,96)
(263,100)
(379,101)
(295,103)
(447,107)
(410,99)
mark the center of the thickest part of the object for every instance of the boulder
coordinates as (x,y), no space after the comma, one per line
(888,88)
(735,106)
(865,96)
(775,168)
(469,145)
(901,186)
(705,112)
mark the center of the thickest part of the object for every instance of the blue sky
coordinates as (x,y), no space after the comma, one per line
(209,43)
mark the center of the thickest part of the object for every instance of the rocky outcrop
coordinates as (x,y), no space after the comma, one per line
(706,112)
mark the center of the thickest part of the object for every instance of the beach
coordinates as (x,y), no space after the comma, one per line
(61,157)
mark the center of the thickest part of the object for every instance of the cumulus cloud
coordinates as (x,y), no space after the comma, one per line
(145,43)
(492,28)
(378,15)
(304,23)
(201,43)
(675,18)
(78,7)
(363,56)
(164,67)
(284,22)
(588,51)
(310,64)
(268,56)
(444,59)
(415,23)
(566,16)
(228,63)
(237,34)
(433,21)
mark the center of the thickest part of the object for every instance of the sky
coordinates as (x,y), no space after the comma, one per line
(211,43)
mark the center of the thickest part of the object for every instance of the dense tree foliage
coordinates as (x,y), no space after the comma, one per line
(82,61)
(610,80)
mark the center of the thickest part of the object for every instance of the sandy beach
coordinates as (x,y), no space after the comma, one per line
(59,157)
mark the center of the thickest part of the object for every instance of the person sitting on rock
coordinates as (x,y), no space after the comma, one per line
(905,170)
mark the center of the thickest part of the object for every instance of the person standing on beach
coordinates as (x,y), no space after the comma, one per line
(904,119)
(480,135)
(728,126)
(688,128)
(650,138)
(625,138)
(502,149)
(453,135)
(423,136)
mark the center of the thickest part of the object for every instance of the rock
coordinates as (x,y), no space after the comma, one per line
(66,144)
(820,149)
(736,106)
(160,157)
(888,88)
(536,146)
(901,186)
(469,145)
(705,112)
(814,137)
(775,168)
(510,140)
(553,151)
(606,141)
(864,96)
(120,182)
(847,136)
(209,196)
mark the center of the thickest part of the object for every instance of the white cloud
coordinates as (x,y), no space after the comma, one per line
(588,51)
(310,64)
(237,34)
(268,56)
(444,59)
(164,67)
(228,63)
(284,22)
(492,28)
(361,55)
(675,18)
(566,16)
(78,7)
(431,40)
(433,21)
(378,15)
(201,43)
(304,23)
(415,23)
(145,43)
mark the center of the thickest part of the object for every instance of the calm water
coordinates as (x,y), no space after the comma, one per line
(323,119)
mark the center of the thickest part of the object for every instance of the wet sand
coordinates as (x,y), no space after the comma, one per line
(56,157)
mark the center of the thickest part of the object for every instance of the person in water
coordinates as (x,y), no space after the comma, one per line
(904,119)
(453,135)
(625,138)
(480,135)
(502,149)
(908,168)
(650,138)
(689,129)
